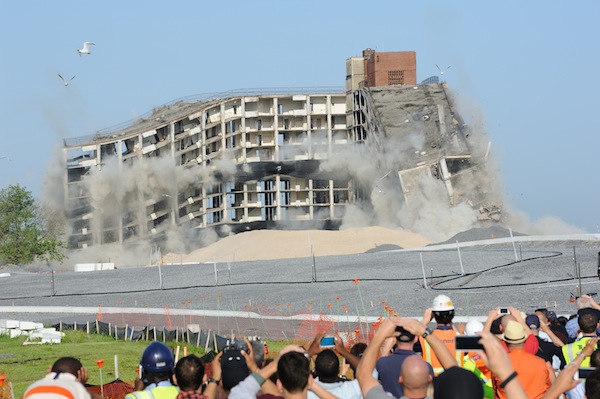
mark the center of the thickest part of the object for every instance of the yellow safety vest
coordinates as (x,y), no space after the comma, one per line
(165,392)
(571,351)
(448,338)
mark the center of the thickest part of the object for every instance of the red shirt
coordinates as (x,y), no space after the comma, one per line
(531,344)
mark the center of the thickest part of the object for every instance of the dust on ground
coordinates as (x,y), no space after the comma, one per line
(281,244)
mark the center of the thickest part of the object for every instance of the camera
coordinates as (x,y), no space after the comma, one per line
(236,345)
(327,342)
(583,373)
(467,343)
(503,311)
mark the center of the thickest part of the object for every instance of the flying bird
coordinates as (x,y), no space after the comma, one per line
(65,81)
(86,48)
(440,69)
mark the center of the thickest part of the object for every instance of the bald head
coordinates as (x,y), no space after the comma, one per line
(414,375)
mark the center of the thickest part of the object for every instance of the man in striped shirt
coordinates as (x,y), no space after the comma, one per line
(65,381)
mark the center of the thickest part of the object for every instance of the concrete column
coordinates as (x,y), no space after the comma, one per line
(278,196)
(276,129)
(245,203)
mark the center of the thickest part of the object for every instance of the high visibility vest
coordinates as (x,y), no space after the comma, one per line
(165,392)
(571,351)
(448,338)
(472,365)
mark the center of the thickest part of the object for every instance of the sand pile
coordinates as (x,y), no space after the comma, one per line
(281,244)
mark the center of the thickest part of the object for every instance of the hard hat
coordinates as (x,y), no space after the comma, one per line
(157,358)
(473,327)
(442,303)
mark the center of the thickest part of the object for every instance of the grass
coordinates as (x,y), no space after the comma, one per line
(24,364)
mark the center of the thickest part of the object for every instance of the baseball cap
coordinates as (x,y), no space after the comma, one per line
(532,320)
(234,368)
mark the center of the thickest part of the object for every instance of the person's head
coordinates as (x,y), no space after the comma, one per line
(542,315)
(592,385)
(258,350)
(233,368)
(496,327)
(67,365)
(457,383)
(414,374)
(562,320)
(189,372)
(293,369)
(504,320)
(595,358)
(514,334)
(358,349)
(443,310)
(405,340)
(533,322)
(327,366)
(583,302)
(157,363)
(473,327)
(588,323)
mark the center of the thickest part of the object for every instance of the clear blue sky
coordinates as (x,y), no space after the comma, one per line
(527,69)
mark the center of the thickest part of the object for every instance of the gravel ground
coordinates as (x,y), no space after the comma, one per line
(544,278)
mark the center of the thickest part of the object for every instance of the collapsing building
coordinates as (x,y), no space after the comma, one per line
(236,161)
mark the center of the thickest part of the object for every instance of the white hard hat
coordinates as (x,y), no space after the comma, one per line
(473,327)
(442,303)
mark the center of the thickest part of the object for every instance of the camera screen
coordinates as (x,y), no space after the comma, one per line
(327,342)
(468,343)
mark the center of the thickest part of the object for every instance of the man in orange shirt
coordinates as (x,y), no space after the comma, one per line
(530,370)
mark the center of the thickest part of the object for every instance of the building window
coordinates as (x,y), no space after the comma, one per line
(395,78)
(280,108)
(259,124)
(286,124)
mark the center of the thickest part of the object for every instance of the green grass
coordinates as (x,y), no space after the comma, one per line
(24,364)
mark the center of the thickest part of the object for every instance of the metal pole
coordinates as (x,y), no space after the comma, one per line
(462,270)
(579,277)
(513,244)
(423,268)
(216,275)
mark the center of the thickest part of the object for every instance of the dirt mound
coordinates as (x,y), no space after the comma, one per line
(482,233)
(281,244)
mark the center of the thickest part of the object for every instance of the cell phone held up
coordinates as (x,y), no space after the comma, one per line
(503,311)
(468,343)
(327,342)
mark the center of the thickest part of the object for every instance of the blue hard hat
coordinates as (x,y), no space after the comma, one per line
(157,358)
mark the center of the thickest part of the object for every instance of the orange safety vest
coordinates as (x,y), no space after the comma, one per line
(448,338)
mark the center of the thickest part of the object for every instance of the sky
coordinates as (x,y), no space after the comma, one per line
(524,73)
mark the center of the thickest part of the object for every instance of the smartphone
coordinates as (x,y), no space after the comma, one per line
(328,342)
(467,343)
(503,311)
(583,373)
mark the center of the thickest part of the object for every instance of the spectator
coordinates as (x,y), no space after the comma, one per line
(549,318)
(327,368)
(473,361)
(294,379)
(65,380)
(411,376)
(566,381)
(547,350)
(531,344)
(588,324)
(234,369)
(443,313)
(584,304)
(389,367)
(156,366)
(532,372)
(592,385)
(189,376)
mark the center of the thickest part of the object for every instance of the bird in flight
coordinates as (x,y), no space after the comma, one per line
(86,48)
(65,81)
(440,69)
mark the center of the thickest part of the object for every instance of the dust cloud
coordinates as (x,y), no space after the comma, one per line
(116,190)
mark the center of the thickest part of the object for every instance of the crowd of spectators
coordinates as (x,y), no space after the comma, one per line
(511,355)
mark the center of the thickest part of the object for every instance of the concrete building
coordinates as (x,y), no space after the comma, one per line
(242,160)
